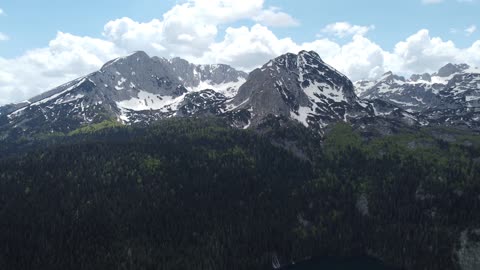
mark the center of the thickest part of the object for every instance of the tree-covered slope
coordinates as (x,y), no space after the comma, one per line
(180,195)
(197,194)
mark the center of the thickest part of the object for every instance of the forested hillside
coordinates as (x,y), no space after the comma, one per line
(197,194)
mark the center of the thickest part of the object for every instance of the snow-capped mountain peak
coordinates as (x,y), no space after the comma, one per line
(125,89)
(450,95)
(303,87)
(450,69)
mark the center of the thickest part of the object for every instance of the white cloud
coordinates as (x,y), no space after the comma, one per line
(421,52)
(344,29)
(360,58)
(3,37)
(247,48)
(470,30)
(67,57)
(190,28)
(274,17)
(223,11)
(2,12)
(175,35)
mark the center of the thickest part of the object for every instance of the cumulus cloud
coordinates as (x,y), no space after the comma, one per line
(67,57)
(247,48)
(223,11)
(276,18)
(360,58)
(189,29)
(178,35)
(421,52)
(344,29)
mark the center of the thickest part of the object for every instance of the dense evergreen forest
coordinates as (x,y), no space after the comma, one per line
(197,194)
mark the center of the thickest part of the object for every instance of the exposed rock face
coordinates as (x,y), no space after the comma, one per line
(205,103)
(306,89)
(130,89)
(362,205)
(450,96)
(462,91)
(423,77)
(412,95)
(451,69)
(362,86)
(459,103)
(222,78)
(469,253)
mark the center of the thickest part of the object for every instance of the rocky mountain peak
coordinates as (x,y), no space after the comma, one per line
(450,69)
(310,55)
(177,61)
(292,62)
(301,73)
(421,77)
(390,77)
(303,87)
(138,56)
(133,88)
(387,74)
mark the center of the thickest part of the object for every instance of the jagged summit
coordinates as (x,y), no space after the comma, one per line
(450,69)
(387,74)
(298,73)
(303,87)
(312,54)
(133,88)
(138,56)
(450,96)
(390,77)
(421,77)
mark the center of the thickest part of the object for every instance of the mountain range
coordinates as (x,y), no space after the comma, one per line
(449,97)
(153,163)
(300,87)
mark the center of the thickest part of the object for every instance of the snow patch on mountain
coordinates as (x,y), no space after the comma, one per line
(147,101)
(302,115)
(229,89)
(74,85)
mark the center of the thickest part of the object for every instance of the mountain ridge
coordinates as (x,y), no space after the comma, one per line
(301,87)
(448,97)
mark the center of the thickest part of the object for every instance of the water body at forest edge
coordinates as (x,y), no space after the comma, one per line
(361,263)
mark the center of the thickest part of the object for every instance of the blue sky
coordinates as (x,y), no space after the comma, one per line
(46,43)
